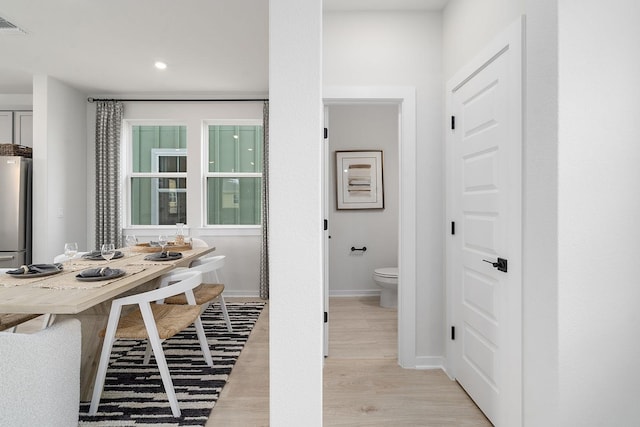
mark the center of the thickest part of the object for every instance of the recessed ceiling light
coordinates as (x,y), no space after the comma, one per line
(160,65)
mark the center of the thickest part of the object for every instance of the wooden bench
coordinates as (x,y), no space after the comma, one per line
(10,320)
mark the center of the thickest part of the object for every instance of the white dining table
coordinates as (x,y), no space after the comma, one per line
(89,301)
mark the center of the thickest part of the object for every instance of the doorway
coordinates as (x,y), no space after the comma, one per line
(361,240)
(403,99)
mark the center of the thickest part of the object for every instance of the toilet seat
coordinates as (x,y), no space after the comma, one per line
(387,272)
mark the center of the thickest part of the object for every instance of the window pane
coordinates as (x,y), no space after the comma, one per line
(172,163)
(158,201)
(146,139)
(233,201)
(235,148)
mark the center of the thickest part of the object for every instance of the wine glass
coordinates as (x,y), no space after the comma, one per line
(70,249)
(130,241)
(108,250)
(162,241)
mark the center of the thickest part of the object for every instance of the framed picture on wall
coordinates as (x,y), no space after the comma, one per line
(359,180)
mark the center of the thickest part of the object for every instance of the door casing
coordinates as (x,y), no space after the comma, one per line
(405,98)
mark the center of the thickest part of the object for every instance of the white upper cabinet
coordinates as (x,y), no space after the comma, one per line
(16,127)
(23,128)
(6,127)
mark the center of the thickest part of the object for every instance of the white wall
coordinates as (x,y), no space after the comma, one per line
(242,248)
(59,168)
(404,49)
(468,25)
(540,211)
(598,228)
(296,304)
(363,127)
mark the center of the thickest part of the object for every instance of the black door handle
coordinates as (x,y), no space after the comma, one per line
(501,264)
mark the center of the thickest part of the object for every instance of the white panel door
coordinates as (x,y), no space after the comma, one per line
(486,202)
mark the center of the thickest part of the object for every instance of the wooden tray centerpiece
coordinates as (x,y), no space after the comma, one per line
(171,246)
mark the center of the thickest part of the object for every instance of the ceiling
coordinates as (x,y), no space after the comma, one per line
(109,47)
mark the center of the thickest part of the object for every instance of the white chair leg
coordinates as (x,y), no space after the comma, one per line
(48,320)
(147,354)
(218,279)
(107,345)
(156,344)
(204,345)
(223,306)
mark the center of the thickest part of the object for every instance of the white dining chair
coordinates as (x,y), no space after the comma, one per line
(211,288)
(198,243)
(62,257)
(156,323)
(40,376)
(213,284)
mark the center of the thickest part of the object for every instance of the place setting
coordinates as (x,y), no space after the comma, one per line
(162,255)
(35,270)
(28,273)
(99,274)
(94,277)
(107,252)
(96,258)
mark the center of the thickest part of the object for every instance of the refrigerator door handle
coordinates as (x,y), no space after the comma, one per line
(6,257)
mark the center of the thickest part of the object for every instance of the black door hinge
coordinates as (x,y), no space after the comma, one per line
(453,333)
(326,225)
(453,122)
(326,133)
(453,227)
(326,317)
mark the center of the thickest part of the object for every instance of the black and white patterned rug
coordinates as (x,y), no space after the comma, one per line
(133,394)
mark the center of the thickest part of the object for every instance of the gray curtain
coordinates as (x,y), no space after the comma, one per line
(264,252)
(108,124)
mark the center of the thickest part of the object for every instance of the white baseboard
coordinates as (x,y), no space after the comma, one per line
(430,362)
(447,371)
(354,293)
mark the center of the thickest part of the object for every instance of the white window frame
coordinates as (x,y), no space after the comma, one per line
(206,174)
(197,226)
(127,174)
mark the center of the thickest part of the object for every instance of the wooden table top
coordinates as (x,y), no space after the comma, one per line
(62,293)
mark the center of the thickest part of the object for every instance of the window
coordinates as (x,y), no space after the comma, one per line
(234,174)
(229,167)
(158,177)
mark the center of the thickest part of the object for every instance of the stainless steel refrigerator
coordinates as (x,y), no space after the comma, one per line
(15,211)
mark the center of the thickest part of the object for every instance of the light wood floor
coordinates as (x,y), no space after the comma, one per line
(363,385)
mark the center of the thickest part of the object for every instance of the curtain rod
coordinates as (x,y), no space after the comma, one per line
(178,100)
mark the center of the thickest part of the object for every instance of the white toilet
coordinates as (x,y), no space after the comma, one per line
(387,279)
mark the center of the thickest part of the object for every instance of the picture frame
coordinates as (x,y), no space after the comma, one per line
(359,183)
